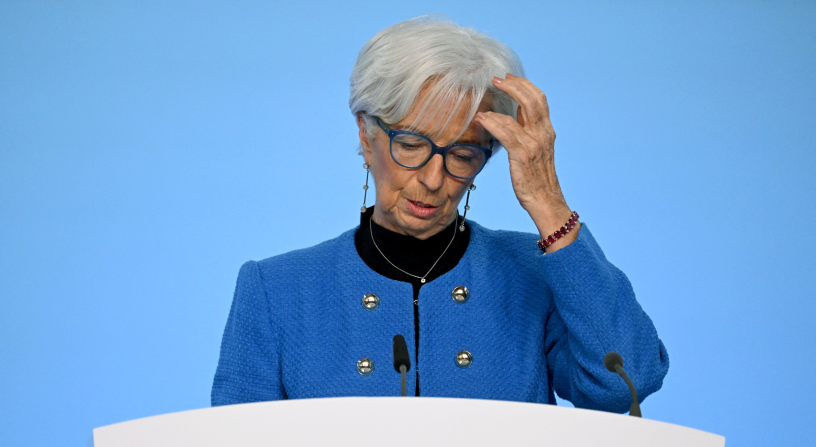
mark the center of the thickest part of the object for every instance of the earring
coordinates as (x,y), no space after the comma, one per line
(366,166)
(472,187)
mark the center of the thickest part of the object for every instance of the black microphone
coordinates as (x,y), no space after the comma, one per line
(402,360)
(614,363)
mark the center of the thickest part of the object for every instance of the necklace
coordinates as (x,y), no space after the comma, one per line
(420,278)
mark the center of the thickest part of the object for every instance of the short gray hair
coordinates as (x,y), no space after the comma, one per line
(397,63)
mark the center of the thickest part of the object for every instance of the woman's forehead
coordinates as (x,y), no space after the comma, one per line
(444,122)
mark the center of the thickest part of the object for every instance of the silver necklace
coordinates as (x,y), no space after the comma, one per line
(420,278)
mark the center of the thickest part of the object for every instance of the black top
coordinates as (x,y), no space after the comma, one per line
(413,255)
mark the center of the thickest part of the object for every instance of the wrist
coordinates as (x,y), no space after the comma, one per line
(548,219)
(562,236)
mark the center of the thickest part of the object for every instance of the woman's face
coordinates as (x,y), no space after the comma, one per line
(418,202)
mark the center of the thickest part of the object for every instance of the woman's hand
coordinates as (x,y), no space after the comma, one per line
(530,144)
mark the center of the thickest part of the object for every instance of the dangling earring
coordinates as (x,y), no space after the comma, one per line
(472,187)
(366,166)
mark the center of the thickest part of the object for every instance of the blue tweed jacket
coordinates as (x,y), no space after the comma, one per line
(533,323)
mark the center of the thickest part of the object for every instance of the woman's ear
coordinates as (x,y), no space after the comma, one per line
(364,143)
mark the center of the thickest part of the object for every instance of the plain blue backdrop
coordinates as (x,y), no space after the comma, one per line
(148,149)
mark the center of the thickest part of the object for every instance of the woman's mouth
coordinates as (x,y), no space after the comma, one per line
(421,209)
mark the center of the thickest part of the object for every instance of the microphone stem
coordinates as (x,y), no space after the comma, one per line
(634,410)
(403,370)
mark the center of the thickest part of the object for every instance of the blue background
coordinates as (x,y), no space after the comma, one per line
(148,149)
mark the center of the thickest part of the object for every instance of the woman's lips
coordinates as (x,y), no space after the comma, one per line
(420,209)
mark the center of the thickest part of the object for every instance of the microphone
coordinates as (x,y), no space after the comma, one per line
(402,360)
(614,363)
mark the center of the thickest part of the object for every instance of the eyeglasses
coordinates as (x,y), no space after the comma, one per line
(412,150)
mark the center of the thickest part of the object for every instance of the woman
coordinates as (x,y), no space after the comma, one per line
(487,314)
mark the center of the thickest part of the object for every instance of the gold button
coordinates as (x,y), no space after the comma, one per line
(460,294)
(464,359)
(365,366)
(370,301)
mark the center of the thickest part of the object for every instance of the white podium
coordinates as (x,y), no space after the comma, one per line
(375,421)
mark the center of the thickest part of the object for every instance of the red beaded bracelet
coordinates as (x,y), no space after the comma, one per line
(545,242)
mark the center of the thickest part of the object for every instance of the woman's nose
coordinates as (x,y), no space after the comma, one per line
(432,175)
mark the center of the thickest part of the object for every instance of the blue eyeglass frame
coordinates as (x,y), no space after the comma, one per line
(443,151)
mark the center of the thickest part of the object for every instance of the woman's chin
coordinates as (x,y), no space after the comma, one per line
(422,227)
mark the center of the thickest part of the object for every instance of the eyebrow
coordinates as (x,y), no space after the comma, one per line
(461,141)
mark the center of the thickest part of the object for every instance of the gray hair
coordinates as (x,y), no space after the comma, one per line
(397,63)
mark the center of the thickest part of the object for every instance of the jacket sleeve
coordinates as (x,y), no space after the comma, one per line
(596,312)
(249,366)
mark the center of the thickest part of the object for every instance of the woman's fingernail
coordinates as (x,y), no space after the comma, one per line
(480,115)
(497,79)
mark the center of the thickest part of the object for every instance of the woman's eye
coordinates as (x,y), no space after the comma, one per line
(411,145)
(463,156)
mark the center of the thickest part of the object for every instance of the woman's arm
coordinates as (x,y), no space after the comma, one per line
(595,313)
(530,145)
(249,366)
(595,308)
